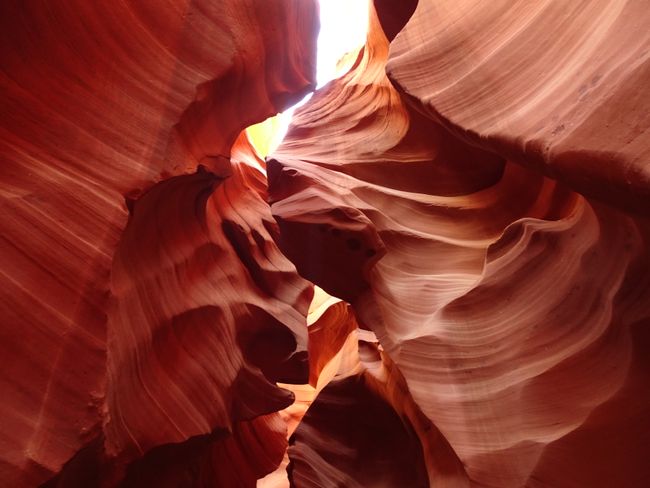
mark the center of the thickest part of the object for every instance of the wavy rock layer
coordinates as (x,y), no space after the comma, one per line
(351,437)
(560,87)
(188,357)
(363,427)
(473,194)
(254,449)
(228,459)
(100,102)
(515,308)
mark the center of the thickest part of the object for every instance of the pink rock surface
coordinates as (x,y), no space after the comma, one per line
(515,308)
(559,87)
(472,197)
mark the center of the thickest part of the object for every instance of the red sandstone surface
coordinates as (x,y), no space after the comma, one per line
(440,278)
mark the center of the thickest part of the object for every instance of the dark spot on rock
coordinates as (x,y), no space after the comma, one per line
(336,232)
(353,244)
(370,252)
(130,203)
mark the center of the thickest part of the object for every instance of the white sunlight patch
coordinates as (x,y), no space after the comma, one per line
(343,31)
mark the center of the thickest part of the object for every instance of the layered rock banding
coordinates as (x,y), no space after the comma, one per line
(473,196)
(513,306)
(107,111)
(554,86)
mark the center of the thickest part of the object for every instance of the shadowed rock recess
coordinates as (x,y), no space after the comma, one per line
(440,278)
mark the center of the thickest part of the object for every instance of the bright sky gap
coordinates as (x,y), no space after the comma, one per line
(343,30)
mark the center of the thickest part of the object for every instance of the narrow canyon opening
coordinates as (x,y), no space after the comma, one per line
(342,34)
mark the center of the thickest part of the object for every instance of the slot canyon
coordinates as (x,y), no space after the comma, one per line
(429,269)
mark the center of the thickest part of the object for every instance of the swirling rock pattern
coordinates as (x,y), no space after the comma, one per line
(350,437)
(236,458)
(471,198)
(514,307)
(100,102)
(187,359)
(560,87)
(363,427)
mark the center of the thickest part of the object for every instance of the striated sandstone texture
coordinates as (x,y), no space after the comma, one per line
(516,306)
(141,286)
(440,278)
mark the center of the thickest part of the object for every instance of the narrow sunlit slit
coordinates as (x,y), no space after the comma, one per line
(343,31)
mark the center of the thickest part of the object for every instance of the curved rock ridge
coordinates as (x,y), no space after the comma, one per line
(101,101)
(206,312)
(350,437)
(333,344)
(188,395)
(559,86)
(363,428)
(253,450)
(326,339)
(347,374)
(236,459)
(515,308)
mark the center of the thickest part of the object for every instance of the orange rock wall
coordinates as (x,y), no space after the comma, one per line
(472,197)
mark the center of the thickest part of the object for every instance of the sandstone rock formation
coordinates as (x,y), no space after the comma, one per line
(471,199)
(137,301)
(556,86)
(516,308)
